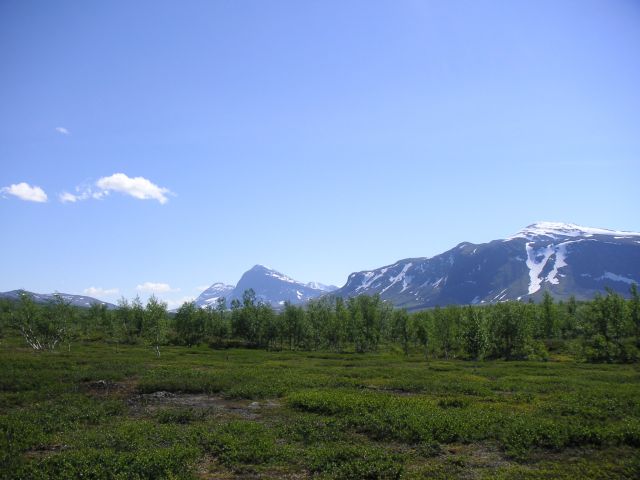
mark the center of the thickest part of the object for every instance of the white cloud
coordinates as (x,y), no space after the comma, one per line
(24,191)
(202,288)
(137,187)
(151,287)
(100,292)
(63,131)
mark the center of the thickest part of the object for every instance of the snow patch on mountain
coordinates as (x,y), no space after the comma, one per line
(561,257)
(370,277)
(536,260)
(281,277)
(397,278)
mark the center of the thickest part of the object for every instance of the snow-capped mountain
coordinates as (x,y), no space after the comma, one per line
(563,258)
(75,300)
(270,287)
(211,294)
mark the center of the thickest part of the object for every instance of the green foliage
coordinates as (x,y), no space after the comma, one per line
(608,323)
(217,326)
(243,442)
(349,462)
(155,323)
(604,330)
(549,316)
(475,333)
(510,327)
(43,327)
(402,329)
(634,312)
(189,324)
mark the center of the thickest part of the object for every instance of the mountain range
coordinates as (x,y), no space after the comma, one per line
(81,301)
(561,258)
(564,259)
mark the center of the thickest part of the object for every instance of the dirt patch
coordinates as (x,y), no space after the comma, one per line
(102,388)
(209,469)
(464,461)
(475,458)
(213,404)
(44,451)
(395,391)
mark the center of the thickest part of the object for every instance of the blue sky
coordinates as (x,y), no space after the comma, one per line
(318,138)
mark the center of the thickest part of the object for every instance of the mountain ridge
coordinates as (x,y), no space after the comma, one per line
(565,259)
(518,267)
(81,301)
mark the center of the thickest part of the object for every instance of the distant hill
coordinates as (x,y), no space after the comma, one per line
(75,300)
(565,259)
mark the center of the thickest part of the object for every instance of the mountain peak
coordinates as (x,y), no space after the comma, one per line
(269,285)
(259,266)
(268,272)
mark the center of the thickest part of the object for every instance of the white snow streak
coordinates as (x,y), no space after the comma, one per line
(397,278)
(370,277)
(536,266)
(281,277)
(561,255)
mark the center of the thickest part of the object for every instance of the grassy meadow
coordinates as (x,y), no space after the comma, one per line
(101,411)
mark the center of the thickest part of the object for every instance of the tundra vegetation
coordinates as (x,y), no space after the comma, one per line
(337,389)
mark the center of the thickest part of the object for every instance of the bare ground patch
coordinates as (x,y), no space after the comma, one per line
(209,469)
(104,388)
(462,461)
(213,404)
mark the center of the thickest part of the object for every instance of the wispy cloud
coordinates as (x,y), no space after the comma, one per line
(101,292)
(63,131)
(82,193)
(26,192)
(137,187)
(66,197)
(151,287)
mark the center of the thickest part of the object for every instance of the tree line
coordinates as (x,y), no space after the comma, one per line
(604,329)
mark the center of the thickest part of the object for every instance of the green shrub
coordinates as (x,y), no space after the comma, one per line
(348,462)
(242,443)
